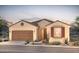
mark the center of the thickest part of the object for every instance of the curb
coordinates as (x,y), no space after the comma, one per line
(7,43)
(52,46)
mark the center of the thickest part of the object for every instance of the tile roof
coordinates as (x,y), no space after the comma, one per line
(23,21)
(36,22)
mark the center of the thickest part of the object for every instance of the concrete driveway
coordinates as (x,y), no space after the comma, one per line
(36,49)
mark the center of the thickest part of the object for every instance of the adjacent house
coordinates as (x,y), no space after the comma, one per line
(41,30)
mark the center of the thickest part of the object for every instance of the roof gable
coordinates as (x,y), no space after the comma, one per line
(59,22)
(62,22)
(23,21)
(38,21)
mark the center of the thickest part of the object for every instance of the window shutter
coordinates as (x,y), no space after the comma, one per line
(52,31)
(63,31)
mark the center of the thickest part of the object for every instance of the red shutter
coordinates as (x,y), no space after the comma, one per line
(63,31)
(52,31)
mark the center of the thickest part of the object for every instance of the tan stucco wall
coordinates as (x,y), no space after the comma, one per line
(43,23)
(67,32)
(26,26)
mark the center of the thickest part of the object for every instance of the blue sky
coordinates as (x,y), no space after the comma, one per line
(53,12)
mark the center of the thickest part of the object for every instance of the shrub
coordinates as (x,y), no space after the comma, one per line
(6,40)
(27,42)
(72,39)
(56,43)
(76,43)
(37,40)
(66,42)
(0,40)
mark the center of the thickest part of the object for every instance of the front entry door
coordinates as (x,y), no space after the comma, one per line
(42,34)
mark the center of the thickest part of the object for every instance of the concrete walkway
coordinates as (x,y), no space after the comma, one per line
(12,43)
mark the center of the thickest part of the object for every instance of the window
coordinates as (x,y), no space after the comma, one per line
(22,24)
(57,32)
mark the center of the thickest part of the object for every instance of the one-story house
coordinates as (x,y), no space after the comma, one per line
(40,30)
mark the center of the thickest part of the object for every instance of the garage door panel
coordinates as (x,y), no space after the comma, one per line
(22,35)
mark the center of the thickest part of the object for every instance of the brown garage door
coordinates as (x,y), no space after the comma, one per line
(22,35)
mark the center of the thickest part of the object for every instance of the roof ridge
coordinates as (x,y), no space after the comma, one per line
(43,19)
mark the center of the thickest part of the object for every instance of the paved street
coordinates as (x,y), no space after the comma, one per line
(36,49)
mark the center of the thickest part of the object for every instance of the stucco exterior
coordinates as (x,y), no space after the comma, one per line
(43,23)
(58,24)
(41,26)
(26,26)
(38,31)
